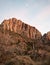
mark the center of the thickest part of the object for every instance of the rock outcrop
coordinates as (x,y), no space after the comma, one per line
(20,27)
(48,35)
(46,38)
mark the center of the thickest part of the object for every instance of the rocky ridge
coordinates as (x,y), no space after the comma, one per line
(22,44)
(20,27)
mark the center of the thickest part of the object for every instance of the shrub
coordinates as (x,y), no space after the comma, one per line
(9,63)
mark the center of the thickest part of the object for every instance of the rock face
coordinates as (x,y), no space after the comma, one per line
(48,35)
(20,27)
(46,38)
(17,46)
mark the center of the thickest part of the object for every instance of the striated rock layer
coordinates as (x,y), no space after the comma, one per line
(20,27)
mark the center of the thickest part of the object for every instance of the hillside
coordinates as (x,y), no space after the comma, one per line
(22,44)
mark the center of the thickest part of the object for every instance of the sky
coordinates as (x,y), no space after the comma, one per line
(33,12)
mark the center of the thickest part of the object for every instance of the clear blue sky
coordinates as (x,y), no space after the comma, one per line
(33,12)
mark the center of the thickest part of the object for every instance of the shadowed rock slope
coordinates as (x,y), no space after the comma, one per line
(22,44)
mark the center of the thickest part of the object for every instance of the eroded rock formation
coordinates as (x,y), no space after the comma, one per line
(17,46)
(20,27)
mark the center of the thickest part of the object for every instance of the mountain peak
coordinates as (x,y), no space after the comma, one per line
(20,27)
(22,44)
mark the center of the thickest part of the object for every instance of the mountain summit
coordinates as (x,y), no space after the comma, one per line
(20,27)
(22,44)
